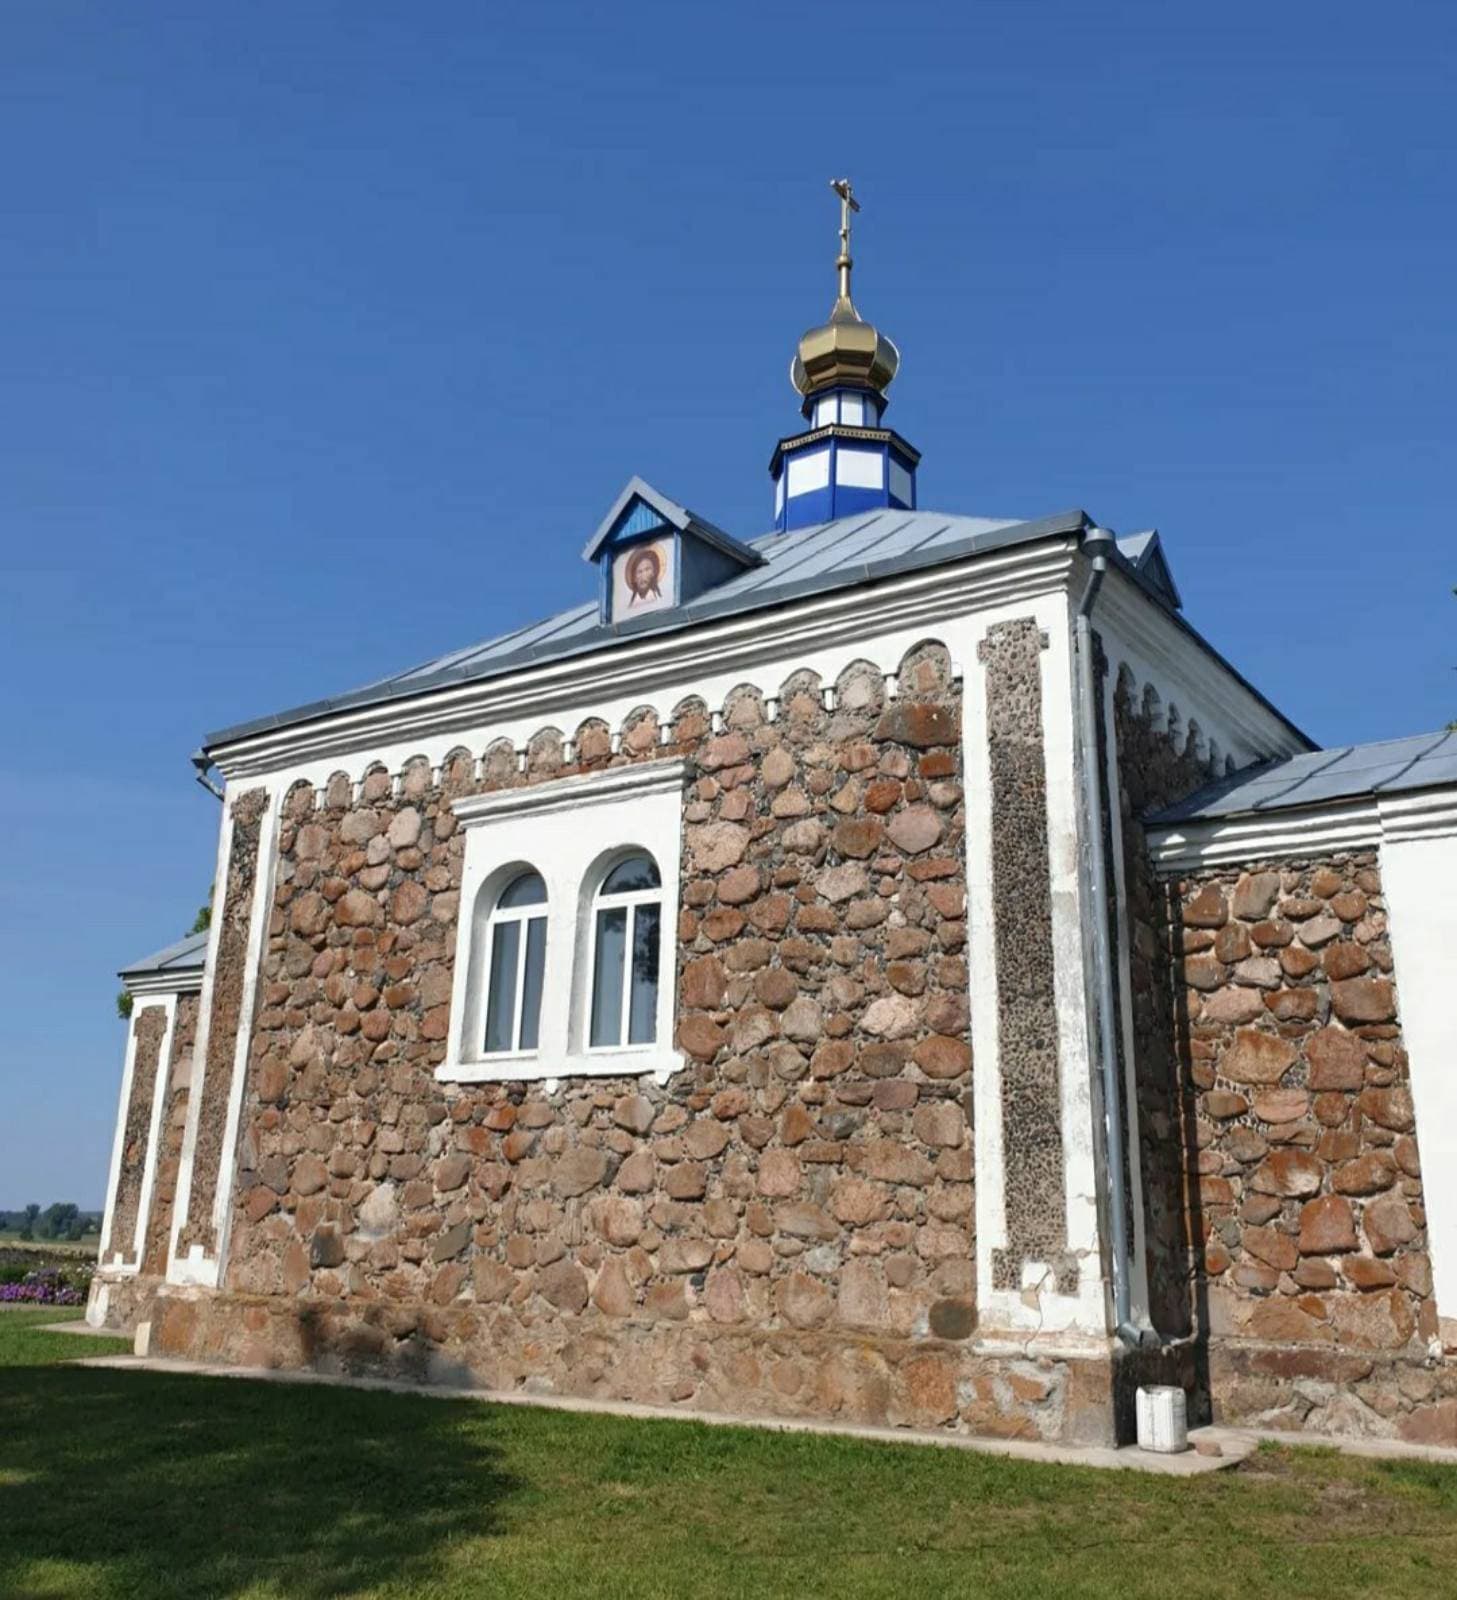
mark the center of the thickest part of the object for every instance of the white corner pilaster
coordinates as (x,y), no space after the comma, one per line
(178,1269)
(1033,1307)
(260,916)
(1419,880)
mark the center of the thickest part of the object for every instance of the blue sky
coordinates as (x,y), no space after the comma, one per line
(332,330)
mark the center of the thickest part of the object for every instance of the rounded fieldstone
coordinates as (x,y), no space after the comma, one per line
(779,1173)
(1206,909)
(635,1112)
(1337,1060)
(701,1036)
(451,1172)
(802,1300)
(564,1284)
(1232,1005)
(705,1138)
(802,1020)
(915,829)
(309,1175)
(1254,894)
(1364,1000)
(942,1056)
(858,837)
(636,1174)
(777,768)
(1256,1057)
(1290,1172)
(717,845)
(892,1016)
(739,886)
(356,909)
(578,1170)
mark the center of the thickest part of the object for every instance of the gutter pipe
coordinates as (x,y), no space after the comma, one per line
(202,764)
(1097,544)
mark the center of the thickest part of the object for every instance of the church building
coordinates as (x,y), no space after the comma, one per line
(885,967)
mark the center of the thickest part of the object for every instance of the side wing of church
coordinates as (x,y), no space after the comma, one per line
(891,970)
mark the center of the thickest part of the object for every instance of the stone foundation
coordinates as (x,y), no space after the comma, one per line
(925,1384)
(1325,1390)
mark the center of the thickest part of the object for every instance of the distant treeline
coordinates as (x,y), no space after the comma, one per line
(59,1221)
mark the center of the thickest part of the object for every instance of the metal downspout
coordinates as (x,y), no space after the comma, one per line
(1097,542)
(202,764)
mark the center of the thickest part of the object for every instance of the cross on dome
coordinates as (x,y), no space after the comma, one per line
(842,368)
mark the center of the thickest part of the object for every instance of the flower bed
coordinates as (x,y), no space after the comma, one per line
(44,1288)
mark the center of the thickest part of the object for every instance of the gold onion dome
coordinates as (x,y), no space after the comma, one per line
(846,350)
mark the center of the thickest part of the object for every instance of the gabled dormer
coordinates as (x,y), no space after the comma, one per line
(653,554)
(1144,552)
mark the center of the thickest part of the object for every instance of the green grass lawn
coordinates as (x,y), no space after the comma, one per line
(136,1484)
(25,1344)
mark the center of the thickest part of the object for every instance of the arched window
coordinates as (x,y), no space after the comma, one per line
(515,966)
(627,929)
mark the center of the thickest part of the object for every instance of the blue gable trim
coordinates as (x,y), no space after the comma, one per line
(672,515)
(639,517)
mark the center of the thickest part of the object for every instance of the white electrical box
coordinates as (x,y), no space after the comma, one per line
(1163,1420)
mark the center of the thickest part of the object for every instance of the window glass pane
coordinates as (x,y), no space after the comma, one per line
(642,1016)
(532,981)
(607,976)
(501,993)
(527,890)
(637,872)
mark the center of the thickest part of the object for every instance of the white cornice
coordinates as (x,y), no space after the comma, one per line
(616,783)
(1360,823)
(665,662)
(164,983)
(1314,831)
(1426,814)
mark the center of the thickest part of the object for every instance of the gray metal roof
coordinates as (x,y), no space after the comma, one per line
(187,955)
(1392,766)
(830,555)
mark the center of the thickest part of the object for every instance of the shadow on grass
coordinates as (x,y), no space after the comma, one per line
(129,1483)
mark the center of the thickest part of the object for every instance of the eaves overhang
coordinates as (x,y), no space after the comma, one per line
(594,642)
(805,615)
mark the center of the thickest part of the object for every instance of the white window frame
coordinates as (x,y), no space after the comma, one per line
(539,911)
(627,900)
(572,831)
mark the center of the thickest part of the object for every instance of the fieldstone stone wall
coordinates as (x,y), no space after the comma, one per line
(169,1137)
(1308,1210)
(229,976)
(1160,759)
(148,1024)
(785,1227)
